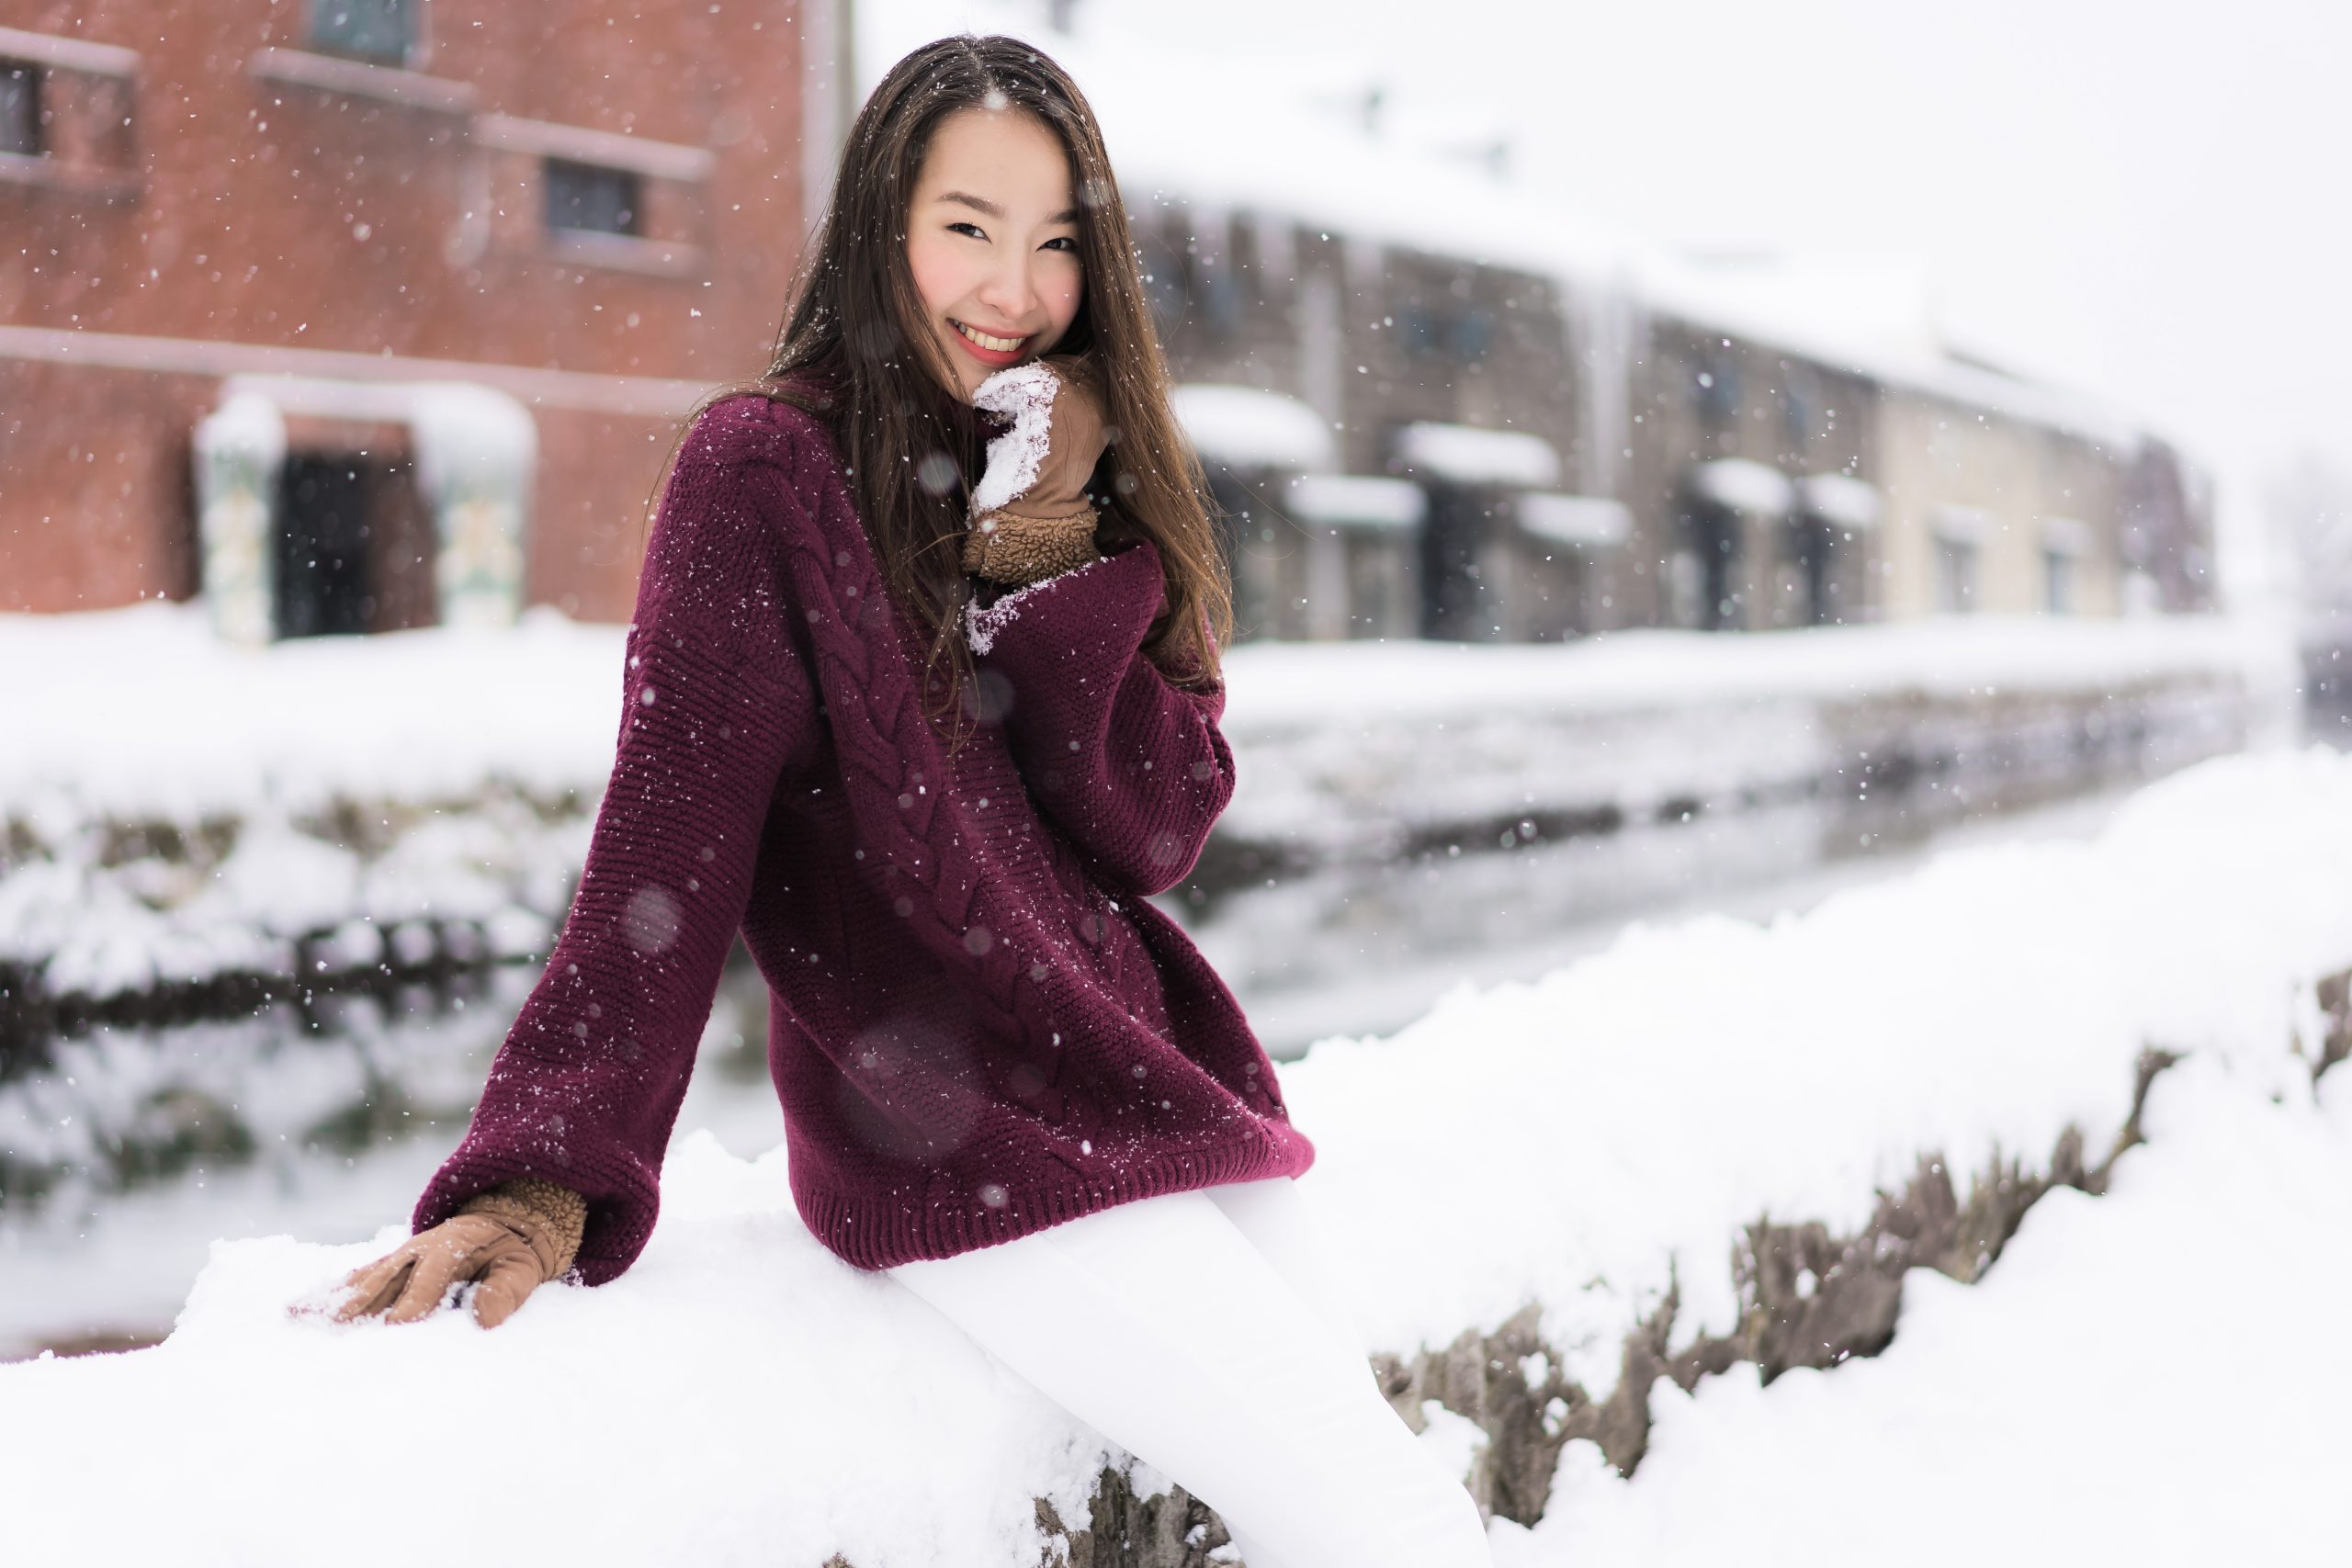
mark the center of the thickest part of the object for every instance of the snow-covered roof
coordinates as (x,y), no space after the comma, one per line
(1249,428)
(1469,455)
(471,437)
(2066,535)
(247,421)
(1840,499)
(1356,500)
(1588,522)
(1961,524)
(1743,484)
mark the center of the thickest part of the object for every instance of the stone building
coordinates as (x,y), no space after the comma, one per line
(364,314)
(1581,459)
(1754,476)
(1395,436)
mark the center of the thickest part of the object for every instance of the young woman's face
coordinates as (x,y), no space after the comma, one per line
(993,240)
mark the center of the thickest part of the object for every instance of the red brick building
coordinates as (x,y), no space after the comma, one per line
(452,269)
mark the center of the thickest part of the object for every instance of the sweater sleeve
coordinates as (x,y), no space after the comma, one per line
(1130,766)
(717,706)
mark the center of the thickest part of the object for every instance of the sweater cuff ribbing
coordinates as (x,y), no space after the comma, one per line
(551,1218)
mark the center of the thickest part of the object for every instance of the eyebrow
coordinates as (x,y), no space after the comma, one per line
(981,204)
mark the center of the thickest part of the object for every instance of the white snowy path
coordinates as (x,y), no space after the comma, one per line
(740,1396)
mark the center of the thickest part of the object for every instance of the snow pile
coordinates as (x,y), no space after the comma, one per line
(1566,1143)
(143,713)
(2157,1376)
(739,1397)
(174,808)
(1275,687)
(1346,748)
(1569,1142)
(281,898)
(1248,428)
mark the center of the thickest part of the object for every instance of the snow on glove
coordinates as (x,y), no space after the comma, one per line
(1030,517)
(508,1242)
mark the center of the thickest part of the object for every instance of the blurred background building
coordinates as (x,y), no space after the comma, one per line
(355,315)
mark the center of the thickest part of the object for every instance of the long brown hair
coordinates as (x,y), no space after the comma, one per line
(854,352)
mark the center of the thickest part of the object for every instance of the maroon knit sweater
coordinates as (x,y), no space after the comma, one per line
(979,1027)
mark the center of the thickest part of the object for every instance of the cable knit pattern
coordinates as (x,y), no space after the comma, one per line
(979,1027)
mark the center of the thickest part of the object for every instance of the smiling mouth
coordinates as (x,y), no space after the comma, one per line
(989,341)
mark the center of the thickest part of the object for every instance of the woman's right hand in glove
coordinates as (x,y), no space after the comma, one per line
(1031,516)
(506,1242)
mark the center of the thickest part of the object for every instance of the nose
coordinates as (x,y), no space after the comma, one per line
(1011,289)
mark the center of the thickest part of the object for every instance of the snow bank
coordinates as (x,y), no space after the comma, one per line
(2157,1376)
(1568,1142)
(195,728)
(1358,750)
(1276,687)
(740,1397)
(143,712)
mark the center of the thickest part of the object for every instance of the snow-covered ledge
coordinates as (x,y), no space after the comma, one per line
(1575,1154)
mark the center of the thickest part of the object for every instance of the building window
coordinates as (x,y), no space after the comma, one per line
(21,108)
(1474,332)
(1715,387)
(382,30)
(2066,541)
(2058,573)
(593,199)
(1419,328)
(1163,283)
(1955,576)
(1796,421)
(1429,332)
(1191,283)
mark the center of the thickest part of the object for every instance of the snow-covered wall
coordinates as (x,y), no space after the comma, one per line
(1581,1147)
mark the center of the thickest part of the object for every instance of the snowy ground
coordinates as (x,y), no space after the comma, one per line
(2145,1375)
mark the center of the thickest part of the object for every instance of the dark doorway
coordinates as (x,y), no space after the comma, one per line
(1714,538)
(1247,532)
(1817,552)
(354,550)
(1454,601)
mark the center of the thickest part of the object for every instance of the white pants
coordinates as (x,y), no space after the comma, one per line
(1202,1333)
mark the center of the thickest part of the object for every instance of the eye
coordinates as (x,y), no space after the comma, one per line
(961,225)
(1065,241)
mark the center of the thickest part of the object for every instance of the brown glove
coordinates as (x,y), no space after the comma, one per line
(508,1240)
(1048,525)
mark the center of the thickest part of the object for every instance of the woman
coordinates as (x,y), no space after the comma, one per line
(929,745)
